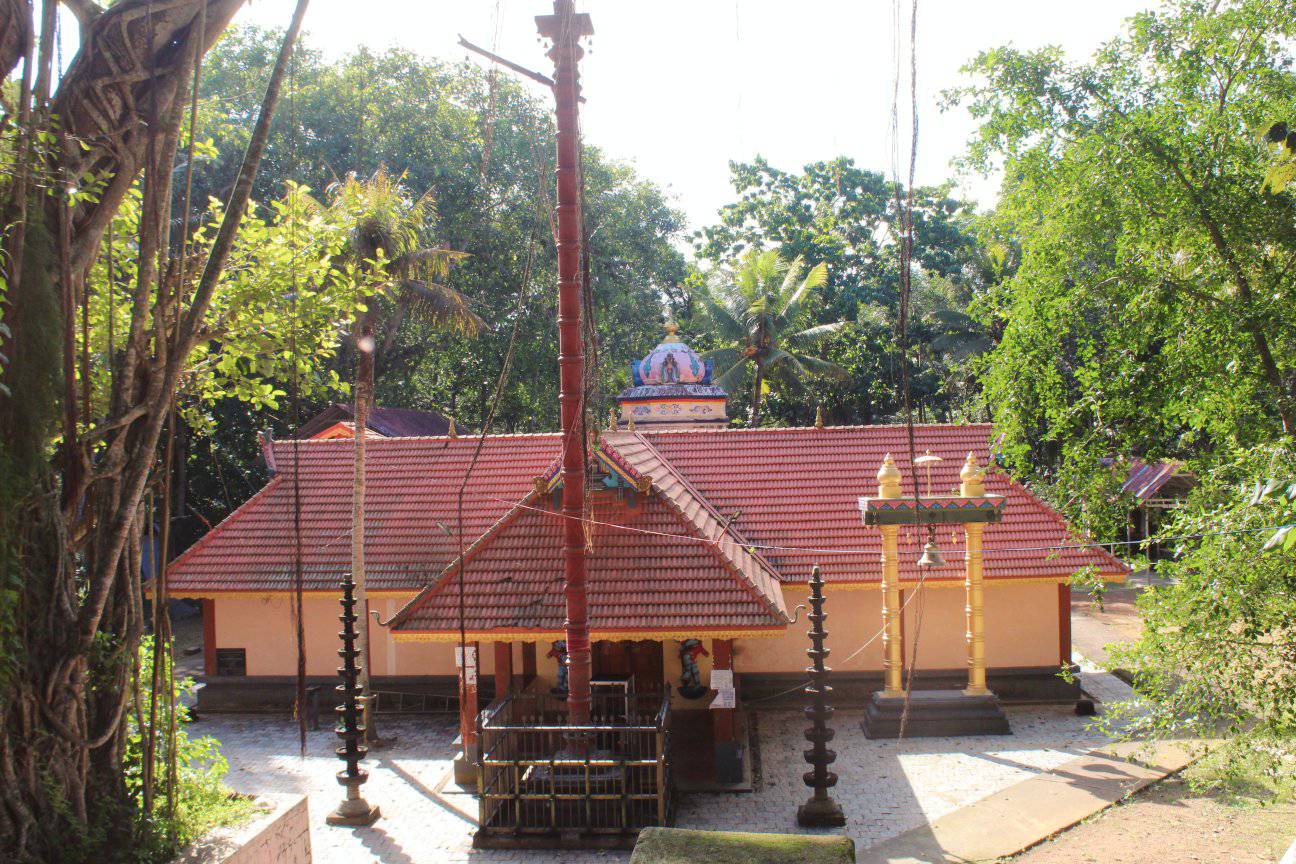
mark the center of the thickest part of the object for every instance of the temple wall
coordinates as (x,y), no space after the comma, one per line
(1021,629)
(262,626)
(853,616)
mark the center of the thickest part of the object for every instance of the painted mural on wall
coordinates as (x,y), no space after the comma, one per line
(691,686)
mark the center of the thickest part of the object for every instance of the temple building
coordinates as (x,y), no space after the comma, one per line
(701,539)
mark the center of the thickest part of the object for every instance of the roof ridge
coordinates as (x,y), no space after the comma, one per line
(404,439)
(772,595)
(736,430)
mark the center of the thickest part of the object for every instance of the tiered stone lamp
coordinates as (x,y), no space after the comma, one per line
(974,710)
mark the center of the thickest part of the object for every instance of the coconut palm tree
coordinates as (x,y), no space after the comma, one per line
(391,265)
(760,307)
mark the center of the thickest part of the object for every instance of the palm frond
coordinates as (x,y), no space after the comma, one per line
(728,322)
(443,305)
(814,335)
(822,367)
(733,378)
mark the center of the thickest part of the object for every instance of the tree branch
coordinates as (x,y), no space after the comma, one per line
(86,12)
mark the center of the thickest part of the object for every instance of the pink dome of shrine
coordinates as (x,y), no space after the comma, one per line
(671,362)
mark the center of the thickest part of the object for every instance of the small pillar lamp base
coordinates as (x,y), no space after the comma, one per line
(464,772)
(820,813)
(354,813)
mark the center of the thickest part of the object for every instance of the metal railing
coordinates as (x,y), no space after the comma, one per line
(530,784)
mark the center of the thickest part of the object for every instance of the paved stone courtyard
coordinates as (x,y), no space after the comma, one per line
(885,788)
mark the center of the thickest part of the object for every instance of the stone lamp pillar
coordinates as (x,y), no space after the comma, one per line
(354,809)
(821,811)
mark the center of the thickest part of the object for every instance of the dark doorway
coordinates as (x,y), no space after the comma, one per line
(641,660)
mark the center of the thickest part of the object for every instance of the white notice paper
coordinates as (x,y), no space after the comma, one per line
(470,672)
(722,679)
(726,698)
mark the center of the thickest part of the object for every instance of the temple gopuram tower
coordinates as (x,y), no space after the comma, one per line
(671,388)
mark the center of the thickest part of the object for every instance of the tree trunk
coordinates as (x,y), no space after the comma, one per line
(63,793)
(364,386)
(756,394)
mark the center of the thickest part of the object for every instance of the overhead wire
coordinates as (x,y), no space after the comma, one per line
(294,399)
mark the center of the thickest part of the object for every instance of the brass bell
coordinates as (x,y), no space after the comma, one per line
(931,556)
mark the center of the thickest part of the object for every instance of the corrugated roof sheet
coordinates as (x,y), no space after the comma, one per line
(1146,479)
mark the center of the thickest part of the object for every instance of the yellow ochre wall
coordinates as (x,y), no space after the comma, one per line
(1021,623)
(1021,629)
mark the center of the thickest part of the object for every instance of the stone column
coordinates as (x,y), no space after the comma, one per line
(888,477)
(974,487)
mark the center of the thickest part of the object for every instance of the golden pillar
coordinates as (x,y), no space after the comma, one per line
(973,486)
(888,477)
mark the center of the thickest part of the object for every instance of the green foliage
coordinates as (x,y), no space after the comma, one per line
(278,310)
(761,307)
(1152,313)
(202,800)
(1218,652)
(846,218)
(427,121)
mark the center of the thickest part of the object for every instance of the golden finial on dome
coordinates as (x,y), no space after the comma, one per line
(888,477)
(973,485)
(612,420)
(819,421)
(451,431)
(630,423)
(672,329)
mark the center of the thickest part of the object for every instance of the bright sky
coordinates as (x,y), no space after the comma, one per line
(681,87)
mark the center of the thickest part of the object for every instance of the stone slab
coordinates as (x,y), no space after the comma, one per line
(1023,815)
(935,714)
(684,846)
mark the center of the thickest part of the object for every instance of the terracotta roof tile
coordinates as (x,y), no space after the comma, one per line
(636,581)
(794,487)
(800,488)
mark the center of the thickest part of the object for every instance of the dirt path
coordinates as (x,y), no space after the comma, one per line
(1169,822)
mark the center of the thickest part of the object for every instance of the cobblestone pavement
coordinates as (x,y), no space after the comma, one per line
(885,787)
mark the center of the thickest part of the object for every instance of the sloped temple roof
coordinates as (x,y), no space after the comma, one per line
(728,516)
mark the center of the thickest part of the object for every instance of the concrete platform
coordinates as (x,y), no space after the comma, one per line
(1023,815)
(935,714)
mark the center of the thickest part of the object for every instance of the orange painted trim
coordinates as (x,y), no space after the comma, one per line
(695,401)
(516,635)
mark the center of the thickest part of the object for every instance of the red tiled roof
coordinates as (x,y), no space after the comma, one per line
(794,488)
(800,488)
(388,422)
(636,581)
(412,487)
